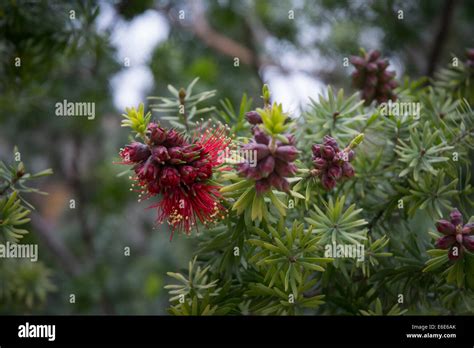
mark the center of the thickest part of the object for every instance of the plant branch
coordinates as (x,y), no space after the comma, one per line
(440,39)
(461,136)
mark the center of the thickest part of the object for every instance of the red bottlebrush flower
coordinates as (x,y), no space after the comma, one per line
(178,169)
(183,207)
(456,236)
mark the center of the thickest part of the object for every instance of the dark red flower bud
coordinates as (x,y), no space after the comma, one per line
(358,62)
(284,169)
(468,242)
(320,163)
(328,182)
(254,173)
(188,174)
(135,152)
(445,227)
(253,117)
(261,149)
(456,217)
(327,152)
(203,170)
(468,228)
(262,186)
(155,133)
(266,166)
(348,170)
(147,171)
(287,153)
(278,182)
(328,140)
(174,138)
(176,152)
(374,55)
(260,136)
(316,150)
(382,64)
(350,156)
(371,67)
(335,171)
(160,154)
(445,242)
(291,139)
(169,177)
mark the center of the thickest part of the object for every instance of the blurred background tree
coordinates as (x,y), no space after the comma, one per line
(114,54)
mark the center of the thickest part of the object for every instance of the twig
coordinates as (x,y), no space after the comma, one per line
(78,188)
(462,136)
(445,23)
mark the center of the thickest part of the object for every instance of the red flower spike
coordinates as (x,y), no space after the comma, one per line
(178,169)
